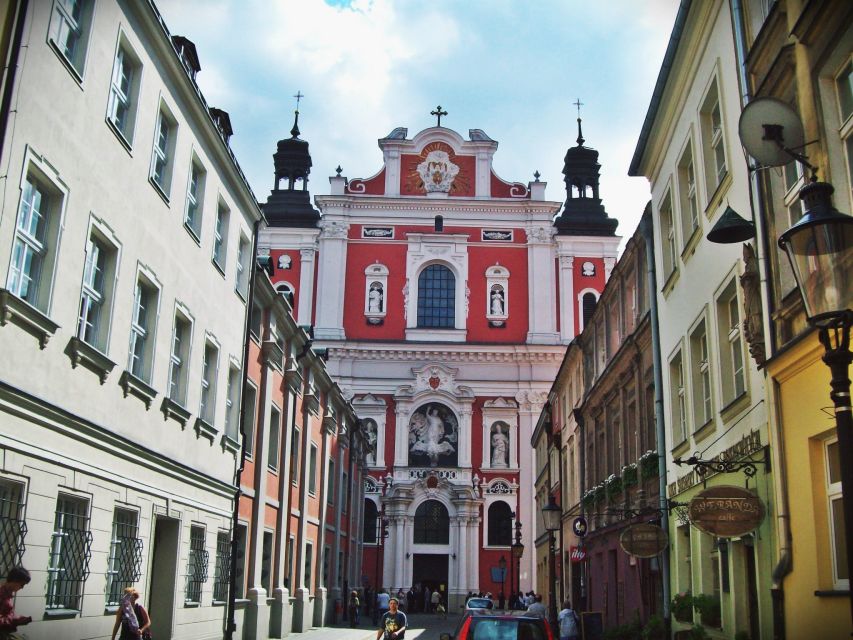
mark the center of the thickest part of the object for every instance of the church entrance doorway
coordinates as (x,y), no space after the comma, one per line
(429,570)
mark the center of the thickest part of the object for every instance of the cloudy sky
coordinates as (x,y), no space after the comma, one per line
(510,67)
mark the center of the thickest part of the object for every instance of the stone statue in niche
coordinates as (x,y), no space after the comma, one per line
(588,269)
(753,329)
(433,434)
(500,447)
(497,305)
(284,261)
(374,298)
(371,433)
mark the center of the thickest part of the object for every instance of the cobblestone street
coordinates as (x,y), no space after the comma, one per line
(421,627)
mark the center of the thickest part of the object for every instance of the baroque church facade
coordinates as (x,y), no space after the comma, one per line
(444,297)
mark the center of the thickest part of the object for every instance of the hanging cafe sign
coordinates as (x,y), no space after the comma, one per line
(644,540)
(726,511)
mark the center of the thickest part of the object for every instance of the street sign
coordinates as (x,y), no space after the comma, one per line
(726,511)
(577,554)
(580,527)
(644,540)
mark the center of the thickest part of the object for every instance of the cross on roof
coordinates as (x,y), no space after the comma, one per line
(299,95)
(578,104)
(438,113)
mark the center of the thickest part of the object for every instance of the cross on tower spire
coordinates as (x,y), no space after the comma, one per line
(579,104)
(438,113)
(299,95)
(295,130)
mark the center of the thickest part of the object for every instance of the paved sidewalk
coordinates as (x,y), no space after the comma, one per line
(421,627)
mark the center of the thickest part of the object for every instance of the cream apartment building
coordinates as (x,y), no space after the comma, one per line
(126,236)
(714,397)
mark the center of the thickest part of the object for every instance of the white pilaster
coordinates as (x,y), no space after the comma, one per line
(540,286)
(306,286)
(567,298)
(329,323)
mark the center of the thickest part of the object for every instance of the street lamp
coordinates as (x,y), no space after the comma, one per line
(517,552)
(502,567)
(551,515)
(820,249)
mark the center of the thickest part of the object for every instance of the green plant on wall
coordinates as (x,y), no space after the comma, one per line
(649,465)
(682,607)
(708,607)
(613,487)
(629,475)
(655,629)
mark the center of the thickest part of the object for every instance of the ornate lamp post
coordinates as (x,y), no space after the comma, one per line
(502,567)
(517,552)
(551,515)
(820,248)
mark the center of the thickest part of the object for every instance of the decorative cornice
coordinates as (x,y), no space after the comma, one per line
(372,352)
(397,203)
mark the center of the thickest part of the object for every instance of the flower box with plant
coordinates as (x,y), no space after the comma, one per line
(649,465)
(708,607)
(682,606)
(613,487)
(629,475)
(588,499)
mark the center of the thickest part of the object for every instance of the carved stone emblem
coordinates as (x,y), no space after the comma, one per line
(437,172)
(434,381)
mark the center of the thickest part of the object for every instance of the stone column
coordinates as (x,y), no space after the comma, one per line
(389,553)
(399,552)
(330,281)
(257,618)
(306,286)
(335,580)
(280,612)
(464,443)
(530,405)
(303,618)
(540,286)
(321,594)
(401,440)
(567,298)
(462,555)
(472,529)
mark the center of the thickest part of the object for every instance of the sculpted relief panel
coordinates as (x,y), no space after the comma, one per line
(433,437)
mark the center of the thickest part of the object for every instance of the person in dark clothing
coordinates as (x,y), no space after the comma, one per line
(392,626)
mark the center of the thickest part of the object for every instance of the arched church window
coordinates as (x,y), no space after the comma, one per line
(588,303)
(284,289)
(437,297)
(432,523)
(500,525)
(371,521)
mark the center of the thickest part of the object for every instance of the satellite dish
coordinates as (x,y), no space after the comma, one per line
(771,131)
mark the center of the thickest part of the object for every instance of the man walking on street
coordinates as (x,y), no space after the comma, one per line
(392,625)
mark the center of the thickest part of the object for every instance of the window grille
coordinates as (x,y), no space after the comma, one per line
(437,297)
(432,523)
(70,553)
(500,524)
(125,555)
(222,571)
(196,565)
(13,529)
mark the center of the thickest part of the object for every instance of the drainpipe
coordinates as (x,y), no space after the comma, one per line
(578,413)
(11,70)
(660,434)
(230,614)
(777,451)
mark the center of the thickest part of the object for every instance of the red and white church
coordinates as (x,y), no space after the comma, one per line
(445,296)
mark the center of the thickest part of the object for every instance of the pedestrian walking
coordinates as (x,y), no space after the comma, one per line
(17,579)
(569,623)
(383,601)
(537,608)
(132,618)
(392,624)
(435,600)
(354,605)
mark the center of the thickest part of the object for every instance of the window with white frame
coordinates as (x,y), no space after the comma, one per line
(687,194)
(124,91)
(844,89)
(312,470)
(142,328)
(125,559)
(733,376)
(162,155)
(70,551)
(249,417)
(678,398)
(220,236)
(99,271)
(713,143)
(275,438)
(436,297)
(667,232)
(195,197)
(838,536)
(197,563)
(243,266)
(700,371)
(13,529)
(70,25)
(209,369)
(34,248)
(232,402)
(179,358)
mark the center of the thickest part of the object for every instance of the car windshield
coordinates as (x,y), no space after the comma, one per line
(507,629)
(480,603)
